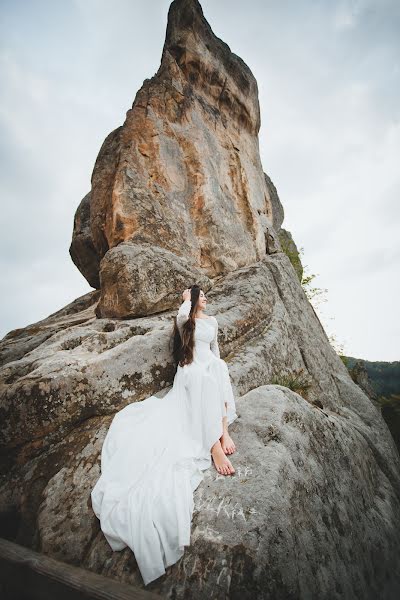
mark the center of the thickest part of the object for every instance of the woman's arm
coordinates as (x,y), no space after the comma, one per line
(183,312)
(214,343)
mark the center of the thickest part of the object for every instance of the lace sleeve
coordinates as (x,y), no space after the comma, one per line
(214,343)
(183,312)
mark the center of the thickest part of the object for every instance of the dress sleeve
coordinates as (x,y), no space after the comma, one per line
(214,342)
(183,312)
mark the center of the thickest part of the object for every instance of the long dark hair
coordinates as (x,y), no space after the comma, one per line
(182,347)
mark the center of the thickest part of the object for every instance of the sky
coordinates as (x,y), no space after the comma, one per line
(328,74)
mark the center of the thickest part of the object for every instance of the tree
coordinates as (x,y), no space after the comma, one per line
(316,296)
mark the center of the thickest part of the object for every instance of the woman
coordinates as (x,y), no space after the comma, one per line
(156,450)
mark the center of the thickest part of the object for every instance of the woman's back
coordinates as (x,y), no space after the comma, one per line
(205,334)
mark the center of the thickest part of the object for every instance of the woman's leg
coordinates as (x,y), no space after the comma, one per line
(221,462)
(227,443)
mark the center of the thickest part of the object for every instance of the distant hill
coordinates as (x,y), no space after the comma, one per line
(384,379)
(384,376)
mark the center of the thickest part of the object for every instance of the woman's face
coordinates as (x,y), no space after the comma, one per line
(202,300)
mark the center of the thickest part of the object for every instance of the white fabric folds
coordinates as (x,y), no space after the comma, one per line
(154,455)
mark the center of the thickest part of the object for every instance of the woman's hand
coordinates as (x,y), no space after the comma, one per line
(186,294)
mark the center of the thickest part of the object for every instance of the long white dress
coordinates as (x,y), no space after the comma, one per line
(155,452)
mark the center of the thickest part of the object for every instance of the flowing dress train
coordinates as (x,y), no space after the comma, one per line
(155,452)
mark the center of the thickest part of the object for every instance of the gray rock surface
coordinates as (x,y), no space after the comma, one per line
(82,250)
(359,375)
(278,213)
(315,491)
(142,279)
(289,247)
(314,506)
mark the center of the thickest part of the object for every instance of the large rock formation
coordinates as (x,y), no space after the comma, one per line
(179,195)
(183,173)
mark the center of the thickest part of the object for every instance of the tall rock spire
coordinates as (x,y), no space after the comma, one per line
(180,184)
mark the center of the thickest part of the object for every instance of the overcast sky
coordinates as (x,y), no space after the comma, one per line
(329,79)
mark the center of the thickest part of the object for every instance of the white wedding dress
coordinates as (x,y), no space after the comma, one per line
(155,451)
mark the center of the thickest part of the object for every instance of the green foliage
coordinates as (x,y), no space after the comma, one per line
(339,349)
(390,406)
(306,283)
(344,360)
(298,381)
(384,376)
(289,248)
(393,401)
(316,296)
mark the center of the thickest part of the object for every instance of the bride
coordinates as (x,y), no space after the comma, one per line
(156,450)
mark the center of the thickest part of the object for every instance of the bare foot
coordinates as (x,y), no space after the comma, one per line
(221,462)
(227,443)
